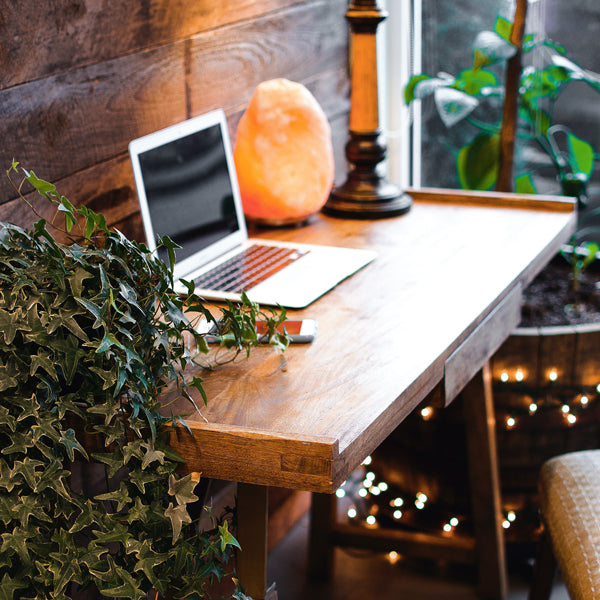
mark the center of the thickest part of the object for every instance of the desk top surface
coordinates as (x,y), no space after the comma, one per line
(307,418)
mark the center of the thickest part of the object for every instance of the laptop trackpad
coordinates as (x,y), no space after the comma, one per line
(309,277)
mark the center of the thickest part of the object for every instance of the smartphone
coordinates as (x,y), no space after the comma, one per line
(300,331)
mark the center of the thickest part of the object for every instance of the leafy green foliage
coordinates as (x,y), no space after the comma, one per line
(92,332)
(477,162)
(538,91)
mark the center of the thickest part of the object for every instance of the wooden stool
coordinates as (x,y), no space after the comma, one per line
(569,488)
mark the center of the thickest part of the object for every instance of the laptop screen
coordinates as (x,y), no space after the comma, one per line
(189,192)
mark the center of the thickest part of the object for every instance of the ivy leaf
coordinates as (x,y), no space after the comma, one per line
(27,469)
(183,488)
(113,461)
(8,586)
(18,542)
(44,361)
(178,515)
(7,481)
(140,479)
(43,187)
(109,409)
(54,477)
(69,441)
(128,589)
(151,455)
(118,533)
(64,569)
(227,538)
(140,512)
(120,496)
(10,323)
(86,517)
(147,560)
(98,312)
(170,246)
(107,342)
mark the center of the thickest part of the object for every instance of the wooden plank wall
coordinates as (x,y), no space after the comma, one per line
(79,79)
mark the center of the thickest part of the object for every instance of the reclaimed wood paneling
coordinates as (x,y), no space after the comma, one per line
(68,122)
(73,127)
(47,37)
(226,65)
(108,187)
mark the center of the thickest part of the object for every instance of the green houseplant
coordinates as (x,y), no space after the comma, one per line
(476,96)
(90,333)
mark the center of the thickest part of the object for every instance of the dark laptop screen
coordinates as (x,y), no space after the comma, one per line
(189,191)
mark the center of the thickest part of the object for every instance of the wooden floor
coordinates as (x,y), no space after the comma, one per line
(365,576)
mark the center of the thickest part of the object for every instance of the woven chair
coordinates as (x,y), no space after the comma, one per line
(569,494)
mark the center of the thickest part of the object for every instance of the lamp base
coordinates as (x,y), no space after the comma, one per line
(367,200)
(367,194)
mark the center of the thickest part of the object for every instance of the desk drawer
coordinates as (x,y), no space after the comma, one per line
(473,353)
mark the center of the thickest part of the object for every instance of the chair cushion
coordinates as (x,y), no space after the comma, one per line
(569,488)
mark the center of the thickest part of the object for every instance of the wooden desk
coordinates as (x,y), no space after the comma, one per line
(440,298)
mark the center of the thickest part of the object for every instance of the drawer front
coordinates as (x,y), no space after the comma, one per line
(473,353)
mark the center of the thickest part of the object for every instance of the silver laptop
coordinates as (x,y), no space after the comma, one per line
(187,187)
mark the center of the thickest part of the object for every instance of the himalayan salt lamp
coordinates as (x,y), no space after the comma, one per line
(283,154)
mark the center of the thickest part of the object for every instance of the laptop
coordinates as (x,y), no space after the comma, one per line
(187,187)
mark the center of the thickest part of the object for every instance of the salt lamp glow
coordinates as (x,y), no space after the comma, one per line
(283,154)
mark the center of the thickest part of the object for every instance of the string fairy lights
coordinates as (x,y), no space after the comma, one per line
(372,502)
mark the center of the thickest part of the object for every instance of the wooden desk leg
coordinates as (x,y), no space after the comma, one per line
(252,510)
(320,546)
(485,485)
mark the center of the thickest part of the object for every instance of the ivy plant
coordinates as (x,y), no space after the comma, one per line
(90,334)
(457,99)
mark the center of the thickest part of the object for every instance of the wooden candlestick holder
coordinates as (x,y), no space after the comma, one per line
(366,193)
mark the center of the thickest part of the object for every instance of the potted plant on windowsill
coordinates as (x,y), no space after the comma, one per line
(90,333)
(546,378)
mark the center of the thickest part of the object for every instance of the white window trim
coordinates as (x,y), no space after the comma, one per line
(402,124)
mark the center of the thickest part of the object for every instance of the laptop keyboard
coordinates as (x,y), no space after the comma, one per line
(248,268)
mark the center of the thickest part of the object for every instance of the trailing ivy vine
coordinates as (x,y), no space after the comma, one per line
(90,334)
